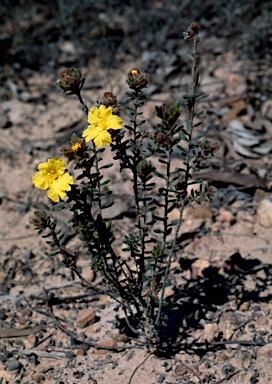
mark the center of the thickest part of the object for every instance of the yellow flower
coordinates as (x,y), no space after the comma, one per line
(52,176)
(75,146)
(101,120)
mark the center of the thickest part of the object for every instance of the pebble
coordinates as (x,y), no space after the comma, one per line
(264,212)
(14,365)
(261,321)
(105,343)
(85,317)
(39,377)
(225,216)
(3,276)
(26,312)
(210,333)
(198,267)
(161,378)
(32,338)
(180,370)
(88,274)
(266,350)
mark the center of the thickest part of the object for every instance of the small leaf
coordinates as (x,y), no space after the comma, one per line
(197,124)
(163,161)
(202,96)
(52,254)
(182,149)
(183,137)
(198,137)
(106,166)
(158,218)
(158,231)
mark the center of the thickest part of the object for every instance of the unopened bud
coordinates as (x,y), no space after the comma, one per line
(71,81)
(75,149)
(137,79)
(108,99)
(192,31)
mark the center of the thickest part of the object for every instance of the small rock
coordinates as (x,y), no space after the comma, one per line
(222,357)
(122,337)
(261,321)
(266,350)
(244,306)
(80,352)
(105,343)
(169,291)
(21,321)
(14,365)
(264,212)
(210,332)
(26,312)
(3,275)
(180,370)
(88,274)
(85,317)
(245,216)
(228,322)
(198,267)
(225,216)
(32,338)
(39,377)
(160,378)
(267,109)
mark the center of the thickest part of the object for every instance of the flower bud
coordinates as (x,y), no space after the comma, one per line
(108,99)
(137,79)
(75,149)
(192,31)
(71,81)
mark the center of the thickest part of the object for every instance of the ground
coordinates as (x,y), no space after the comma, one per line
(220,318)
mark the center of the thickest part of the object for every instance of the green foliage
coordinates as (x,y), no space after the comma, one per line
(137,279)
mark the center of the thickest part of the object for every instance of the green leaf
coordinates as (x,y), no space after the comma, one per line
(106,166)
(202,96)
(168,232)
(183,137)
(182,149)
(158,218)
(199,113)
(105,182)
(188,124)
(199,136)
(197,124)
(163,161)
(61,236)
(52,243)
(158,231)
(139,123)
(156,173)
(52,254)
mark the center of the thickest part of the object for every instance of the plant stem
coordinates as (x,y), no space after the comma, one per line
(191,106)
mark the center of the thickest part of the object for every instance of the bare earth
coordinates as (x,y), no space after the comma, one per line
(223,317)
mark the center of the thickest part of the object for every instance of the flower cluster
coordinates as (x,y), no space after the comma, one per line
(52,175)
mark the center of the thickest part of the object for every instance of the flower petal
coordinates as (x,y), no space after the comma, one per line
(91,132)
(102,137)
(41,180)
(114,122)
